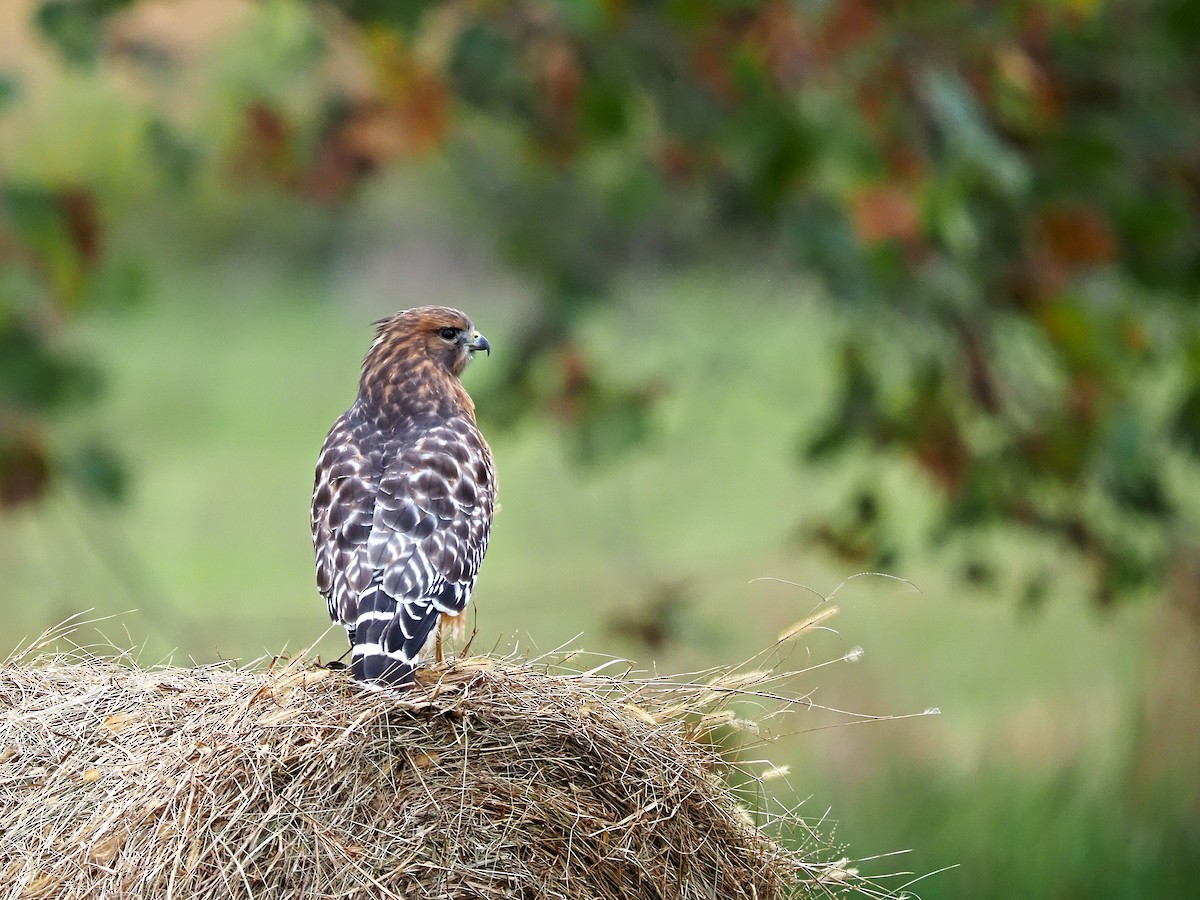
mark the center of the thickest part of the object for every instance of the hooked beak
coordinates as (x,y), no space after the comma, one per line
(479,342)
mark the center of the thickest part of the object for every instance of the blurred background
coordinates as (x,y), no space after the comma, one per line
(779,293)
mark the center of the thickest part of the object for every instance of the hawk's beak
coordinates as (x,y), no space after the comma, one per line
(479,342)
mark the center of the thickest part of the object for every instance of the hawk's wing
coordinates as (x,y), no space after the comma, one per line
(400,526)
(343,509)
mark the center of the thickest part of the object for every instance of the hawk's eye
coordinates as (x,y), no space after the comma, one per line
(448,334)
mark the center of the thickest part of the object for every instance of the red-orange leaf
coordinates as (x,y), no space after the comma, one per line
(885,211)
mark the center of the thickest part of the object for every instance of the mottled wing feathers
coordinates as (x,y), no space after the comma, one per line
(432,516)
(342,514)
(400,525)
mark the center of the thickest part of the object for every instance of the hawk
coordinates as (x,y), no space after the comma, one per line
(404,493)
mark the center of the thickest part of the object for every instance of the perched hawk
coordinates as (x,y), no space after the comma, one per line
(405,487)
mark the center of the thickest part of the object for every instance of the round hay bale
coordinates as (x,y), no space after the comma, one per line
(486,780)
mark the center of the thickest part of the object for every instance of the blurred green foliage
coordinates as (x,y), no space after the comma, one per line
(1002,197)
(77,27)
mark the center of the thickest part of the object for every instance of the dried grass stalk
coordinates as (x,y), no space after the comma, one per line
(489,779)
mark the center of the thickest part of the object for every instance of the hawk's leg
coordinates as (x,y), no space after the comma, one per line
(338,664)
(437,641)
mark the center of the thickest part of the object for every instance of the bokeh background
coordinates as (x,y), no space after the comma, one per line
(779,293)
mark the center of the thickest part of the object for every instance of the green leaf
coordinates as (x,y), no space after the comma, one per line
(124,283)
(583,15)
(1037,589)
(76,27)
(485,73)
(1133,472)
(611,426)
(9,89)
(1126,570)
(820,238)
(857,416)
(175,157)
(603,108)
(98,473)
(969,136)
(404,16)
(34,211)
(35,377)
(1187,421)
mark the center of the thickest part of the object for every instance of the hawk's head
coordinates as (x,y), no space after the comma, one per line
(436,333)
(416,348)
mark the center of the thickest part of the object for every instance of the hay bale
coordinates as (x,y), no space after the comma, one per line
(488,780)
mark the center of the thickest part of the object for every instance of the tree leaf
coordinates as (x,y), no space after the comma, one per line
(97,472)
(1186,426)
(9,89)
(37,378)
(76,27)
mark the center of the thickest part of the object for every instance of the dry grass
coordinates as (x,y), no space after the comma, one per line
(489,779)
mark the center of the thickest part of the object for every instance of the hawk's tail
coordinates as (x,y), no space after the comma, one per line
(388,637)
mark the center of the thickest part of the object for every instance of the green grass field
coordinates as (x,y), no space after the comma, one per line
(220,396)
